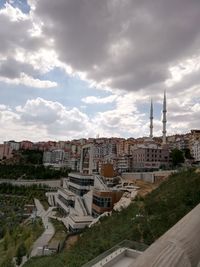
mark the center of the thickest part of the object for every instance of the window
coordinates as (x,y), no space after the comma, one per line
(104,202)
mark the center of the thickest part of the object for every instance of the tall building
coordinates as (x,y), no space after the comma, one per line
(164,119)
(151,121)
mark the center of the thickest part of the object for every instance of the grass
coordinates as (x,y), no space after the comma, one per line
(60,230)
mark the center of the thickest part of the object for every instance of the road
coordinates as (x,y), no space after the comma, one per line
(50,183)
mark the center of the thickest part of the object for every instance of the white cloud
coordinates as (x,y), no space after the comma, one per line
(99,100)
(29,81)
(14,13)
(40,119)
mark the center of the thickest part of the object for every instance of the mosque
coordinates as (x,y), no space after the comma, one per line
(151,156)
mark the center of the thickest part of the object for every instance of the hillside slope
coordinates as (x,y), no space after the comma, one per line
(143,221)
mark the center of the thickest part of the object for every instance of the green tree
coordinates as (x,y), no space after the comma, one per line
(187,153)
(177,157)
(6,240)
(21,251)
(7,263)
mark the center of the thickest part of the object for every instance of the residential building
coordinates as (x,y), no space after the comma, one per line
(5,151)
(14,145)
(124,163)
(195,150)
(150,157)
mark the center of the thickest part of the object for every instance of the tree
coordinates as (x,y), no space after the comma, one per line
(7,262)
(6,241)
(177,157)
(21,251)
(187,153)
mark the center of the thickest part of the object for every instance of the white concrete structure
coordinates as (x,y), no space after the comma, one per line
(178,247)
(74,199)
(147,176)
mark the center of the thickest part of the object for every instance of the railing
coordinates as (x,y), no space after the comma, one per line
(101,182)
(82,206)
(114,251)
(86,208)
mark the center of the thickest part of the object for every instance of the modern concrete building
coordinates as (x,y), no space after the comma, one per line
(104,200)
(74,200)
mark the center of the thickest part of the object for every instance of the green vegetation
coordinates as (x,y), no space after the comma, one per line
(30,172)
(177,157)
(12,201)
(18,242)
(187,153)
(60,233)
(16,233)
(143,221)
(31,157)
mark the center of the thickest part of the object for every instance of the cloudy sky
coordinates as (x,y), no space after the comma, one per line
(82,68)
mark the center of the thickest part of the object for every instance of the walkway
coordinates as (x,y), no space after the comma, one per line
(43,240)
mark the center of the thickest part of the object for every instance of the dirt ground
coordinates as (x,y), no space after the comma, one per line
(145,187)
(71,240)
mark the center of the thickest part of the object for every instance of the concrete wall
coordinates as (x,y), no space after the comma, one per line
(145,176)
(50,183)
(178,247)
(150,177)
(88,201)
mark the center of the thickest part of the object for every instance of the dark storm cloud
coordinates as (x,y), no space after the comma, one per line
(11,68)
(132,43)
(16,34)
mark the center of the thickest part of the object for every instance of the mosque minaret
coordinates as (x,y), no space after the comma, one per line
(164,119)
(151,120)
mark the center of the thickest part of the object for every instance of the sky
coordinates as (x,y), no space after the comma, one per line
(84,68)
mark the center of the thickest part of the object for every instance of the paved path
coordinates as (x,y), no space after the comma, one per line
(49,231)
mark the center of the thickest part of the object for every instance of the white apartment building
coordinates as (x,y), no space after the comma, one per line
(14,145)
(195,150)
(55,158)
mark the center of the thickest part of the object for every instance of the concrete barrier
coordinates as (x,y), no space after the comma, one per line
(178,247)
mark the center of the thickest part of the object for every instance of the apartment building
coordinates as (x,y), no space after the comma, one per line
(195,150)
(13,144)
(150,157)
(5,151)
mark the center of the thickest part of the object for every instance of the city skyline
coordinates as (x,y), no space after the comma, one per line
(78,69)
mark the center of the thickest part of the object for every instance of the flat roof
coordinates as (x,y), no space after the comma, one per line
(79,219)
(80,175)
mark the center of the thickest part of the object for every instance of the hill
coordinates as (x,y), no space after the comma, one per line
(144,221)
